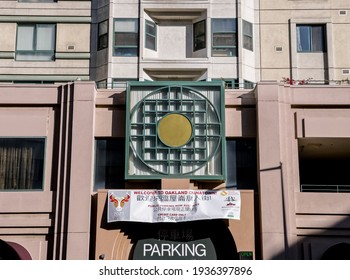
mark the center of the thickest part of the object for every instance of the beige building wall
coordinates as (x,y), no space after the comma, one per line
(279,56)
(72,41)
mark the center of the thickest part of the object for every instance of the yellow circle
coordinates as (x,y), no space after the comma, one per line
(174,130)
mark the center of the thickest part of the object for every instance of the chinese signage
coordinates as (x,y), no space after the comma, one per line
(155,206)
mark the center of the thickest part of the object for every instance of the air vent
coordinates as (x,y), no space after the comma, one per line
(343,13)
(70,47)
(346,71)
(278,49)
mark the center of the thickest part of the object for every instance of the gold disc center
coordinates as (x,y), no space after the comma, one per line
(174,130)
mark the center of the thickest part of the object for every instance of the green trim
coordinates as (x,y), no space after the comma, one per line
(72,55)
(5,55)
(158,173)
(46,19)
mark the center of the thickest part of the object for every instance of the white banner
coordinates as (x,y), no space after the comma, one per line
(155,206)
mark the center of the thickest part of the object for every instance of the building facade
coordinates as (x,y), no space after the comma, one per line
(176,40)
(258,89)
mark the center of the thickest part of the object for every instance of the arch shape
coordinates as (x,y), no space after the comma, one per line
(340,251)
(214,230)
(13,251)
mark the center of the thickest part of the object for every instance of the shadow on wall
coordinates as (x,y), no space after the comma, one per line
(320,247)
(331,243)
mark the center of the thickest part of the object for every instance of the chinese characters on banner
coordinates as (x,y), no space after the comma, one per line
(154,206)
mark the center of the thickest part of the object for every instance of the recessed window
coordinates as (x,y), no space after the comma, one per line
(21,164)
(36,42)
(229,83)
(103,35)
(151,35)
(224,37)
(241,163)
(199,34)
(126,37)
(324,164)
(109,163)
(311,38)
(121,82)
(248,84)
(247,35)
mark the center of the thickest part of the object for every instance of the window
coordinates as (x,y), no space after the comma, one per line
(311,38)
(241,163)
(151,35)
(229,83)
(126,37)
(36,42)
(21,163)
(224,37)
(199,34)
(101,84)
(122,82)
(109,163)
(102,35)
(248,84)
(247,35)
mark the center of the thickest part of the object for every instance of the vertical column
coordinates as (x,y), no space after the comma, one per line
(81,171)
(272,208)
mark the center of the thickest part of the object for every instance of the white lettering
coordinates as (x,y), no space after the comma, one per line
(177,250)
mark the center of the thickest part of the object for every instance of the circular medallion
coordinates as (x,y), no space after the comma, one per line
(174,130)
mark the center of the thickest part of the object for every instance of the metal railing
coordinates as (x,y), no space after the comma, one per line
(325,188)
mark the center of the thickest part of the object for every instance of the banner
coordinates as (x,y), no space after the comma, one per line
(155,206)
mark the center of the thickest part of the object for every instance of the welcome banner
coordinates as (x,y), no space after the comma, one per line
(155,206)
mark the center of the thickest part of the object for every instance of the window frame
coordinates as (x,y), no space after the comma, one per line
(247,36)
(42,150)
(311,43)
(101,36)
(203,35)
(153,36)
(125,47)
(35,52)
(218,48)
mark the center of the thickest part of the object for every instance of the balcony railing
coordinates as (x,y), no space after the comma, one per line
(325,188)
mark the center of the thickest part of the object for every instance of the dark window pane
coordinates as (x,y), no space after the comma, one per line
(150,28)
(126,39)
(247,28)
(311,38)
(150,42)
(241,163)
(21,163)
(224,39)
(247,42)
(224,25)
(126,51)
(103,42)
(109,163)
(317,39)
(199,41)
